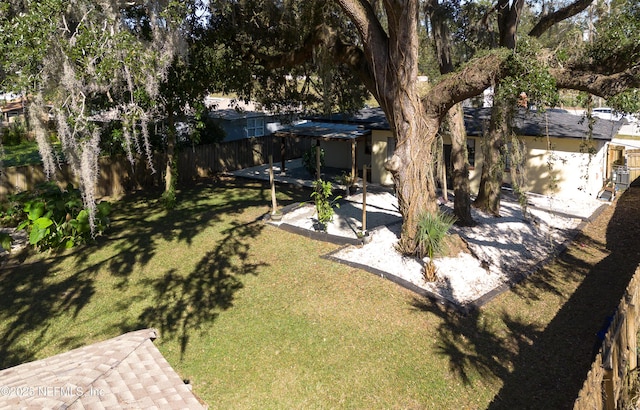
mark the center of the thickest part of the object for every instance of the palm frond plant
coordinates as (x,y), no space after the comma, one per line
(430,240)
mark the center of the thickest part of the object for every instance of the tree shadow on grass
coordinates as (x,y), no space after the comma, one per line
(35,294)
(186,303)
(546,367)
(473,345)
(30,302)
(139,223)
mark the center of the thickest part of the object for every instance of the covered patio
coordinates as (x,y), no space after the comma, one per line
(344,144)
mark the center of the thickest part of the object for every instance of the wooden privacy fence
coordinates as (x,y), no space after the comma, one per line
(633,162)
(609,380)
(206,160)
(118,176)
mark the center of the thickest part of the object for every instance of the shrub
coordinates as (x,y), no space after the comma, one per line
(5,241)
(54,218)
(432,230)
(322,191)
(309,160)
(14,134)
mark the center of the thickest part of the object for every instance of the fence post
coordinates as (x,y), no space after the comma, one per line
(364,199)
(610,400)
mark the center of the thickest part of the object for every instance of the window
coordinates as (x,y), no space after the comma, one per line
(255,127)
(471,150)
(391,147)
(368,145)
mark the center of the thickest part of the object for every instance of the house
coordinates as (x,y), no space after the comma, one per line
(242,120)
(12,111)
(244,124)
(127,371)
(559,156)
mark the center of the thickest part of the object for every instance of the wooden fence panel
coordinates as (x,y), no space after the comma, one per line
(608,380)
(118,176)
(633,162)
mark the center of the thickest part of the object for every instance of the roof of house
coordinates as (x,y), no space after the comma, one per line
(127,371)
(554,123)
(325,131)
(559,123)
(231,114)
(372,117)
(12,106)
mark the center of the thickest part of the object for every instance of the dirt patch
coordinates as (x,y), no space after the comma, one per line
(454,244)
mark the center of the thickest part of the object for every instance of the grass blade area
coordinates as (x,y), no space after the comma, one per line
(255,318)
(25,153)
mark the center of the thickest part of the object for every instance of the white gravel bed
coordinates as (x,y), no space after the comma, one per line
(503,249)
(382,210)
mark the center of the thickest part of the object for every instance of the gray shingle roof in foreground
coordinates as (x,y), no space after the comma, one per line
(127,371)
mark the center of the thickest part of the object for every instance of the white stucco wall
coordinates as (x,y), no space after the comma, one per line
(337,154)
(561,170)
(379,143)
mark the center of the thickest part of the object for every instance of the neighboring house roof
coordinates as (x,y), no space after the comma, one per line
(12,106)
(559,123)
(325,131)
(371,117)
(554,123)
(127,371)
(231,114)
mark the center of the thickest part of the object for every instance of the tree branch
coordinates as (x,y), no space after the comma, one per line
(604,86)
(472,80)
(328,37)
(549,20)
(363,16)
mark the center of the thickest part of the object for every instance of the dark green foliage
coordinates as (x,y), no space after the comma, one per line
(309,160)
(5,241)
(54,218)
(251,35)
(528,75)
(432,229)
(14,134)
(617,42)
(322,192)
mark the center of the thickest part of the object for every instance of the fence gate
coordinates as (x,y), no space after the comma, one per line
(633,164)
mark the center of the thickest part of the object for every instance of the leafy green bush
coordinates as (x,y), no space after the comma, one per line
(53,218)
(309,160)
(432,230)
(322,191)
(14,134)
(5,241)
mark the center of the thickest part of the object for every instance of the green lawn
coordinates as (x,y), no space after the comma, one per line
(255,318)
(25,153)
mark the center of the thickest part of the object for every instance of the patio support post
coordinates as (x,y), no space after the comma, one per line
(364,198)
(272,183)
(318,158)
(283,152)
(353,161)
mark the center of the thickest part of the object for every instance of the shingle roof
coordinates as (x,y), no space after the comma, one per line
(325,130)
(559,123)
(532,123)
(127,371)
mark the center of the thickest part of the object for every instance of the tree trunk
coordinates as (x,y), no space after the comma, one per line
(169,183)
(455,117)
(412,166)
(460,165)
(488,198)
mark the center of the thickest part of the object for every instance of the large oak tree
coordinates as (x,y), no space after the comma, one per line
(385,56)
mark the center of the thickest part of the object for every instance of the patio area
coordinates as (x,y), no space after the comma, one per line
(501,250)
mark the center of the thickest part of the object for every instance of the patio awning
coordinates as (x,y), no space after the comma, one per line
(326,131)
